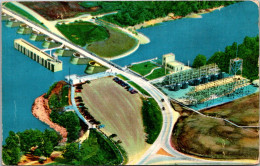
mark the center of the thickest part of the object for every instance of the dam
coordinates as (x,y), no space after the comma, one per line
(37,55)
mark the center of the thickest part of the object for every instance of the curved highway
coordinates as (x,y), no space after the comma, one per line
(169,115)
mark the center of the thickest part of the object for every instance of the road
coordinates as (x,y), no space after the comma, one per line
(74,106)
(169,115)
(47,23)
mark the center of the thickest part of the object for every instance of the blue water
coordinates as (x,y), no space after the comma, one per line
(188,37)
(23,81)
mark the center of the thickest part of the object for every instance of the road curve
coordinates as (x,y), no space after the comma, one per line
(169,115)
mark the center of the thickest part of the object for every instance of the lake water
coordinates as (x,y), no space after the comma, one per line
(24,79)
(188,37)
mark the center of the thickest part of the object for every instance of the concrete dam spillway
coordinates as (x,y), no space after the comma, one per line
(37,55)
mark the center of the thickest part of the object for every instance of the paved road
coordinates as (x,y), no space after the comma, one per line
(169,115)
(76,108)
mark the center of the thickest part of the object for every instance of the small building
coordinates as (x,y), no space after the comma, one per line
(171,64)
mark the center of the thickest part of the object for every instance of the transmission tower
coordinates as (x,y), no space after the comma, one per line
(236,65)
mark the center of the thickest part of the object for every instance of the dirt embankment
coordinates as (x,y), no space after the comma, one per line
(29,159)
(212,138)
(58,10)
(243,111)
(58,89)
(41,110)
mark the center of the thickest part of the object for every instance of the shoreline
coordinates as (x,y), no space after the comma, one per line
(41,111)
(171,17)
(142,39)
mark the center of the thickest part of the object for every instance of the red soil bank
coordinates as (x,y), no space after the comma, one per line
(41,110)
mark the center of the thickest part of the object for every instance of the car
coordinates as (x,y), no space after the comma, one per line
(130,89)
(133,91)
(115,79)
(88,117)
(162,100)
(79,100)
(123,84)
(163,108)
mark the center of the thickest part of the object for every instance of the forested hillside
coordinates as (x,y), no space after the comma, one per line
(248,51)
(135,12)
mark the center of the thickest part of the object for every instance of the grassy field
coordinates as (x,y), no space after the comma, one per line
(214,138)
(122,77)
(143,68)
(117,44)
(82,33)
(22,12)
(119,111)
(243,112)
(139,88)
(157,73)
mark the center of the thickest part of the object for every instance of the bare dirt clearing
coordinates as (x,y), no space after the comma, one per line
(243,112)
(57,10)
(214,138)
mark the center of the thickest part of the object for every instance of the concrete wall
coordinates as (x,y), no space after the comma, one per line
(38,57)
(5,17)
(37,37)
(79,61)
(23,30)
(12,23)
(65,53)
(95,69)
(48,44)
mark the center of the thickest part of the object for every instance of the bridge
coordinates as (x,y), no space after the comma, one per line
(62,40)
(170,116)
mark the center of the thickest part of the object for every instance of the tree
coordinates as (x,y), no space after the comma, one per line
(72,152)
(70,121)
(200,60)
(50,89)
(248,51)
(11,151)
(52,136)
(112,136)
(37,152)
(30,138)
(54,102)
(119,142)
(46,148)
(11,155)
(22,142)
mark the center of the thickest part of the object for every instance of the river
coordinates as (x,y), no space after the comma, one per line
(188,37)
(23,79)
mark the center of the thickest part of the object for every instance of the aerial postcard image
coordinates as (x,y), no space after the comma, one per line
(130,82)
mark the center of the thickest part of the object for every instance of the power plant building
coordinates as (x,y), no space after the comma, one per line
(171,64)
(37,55)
